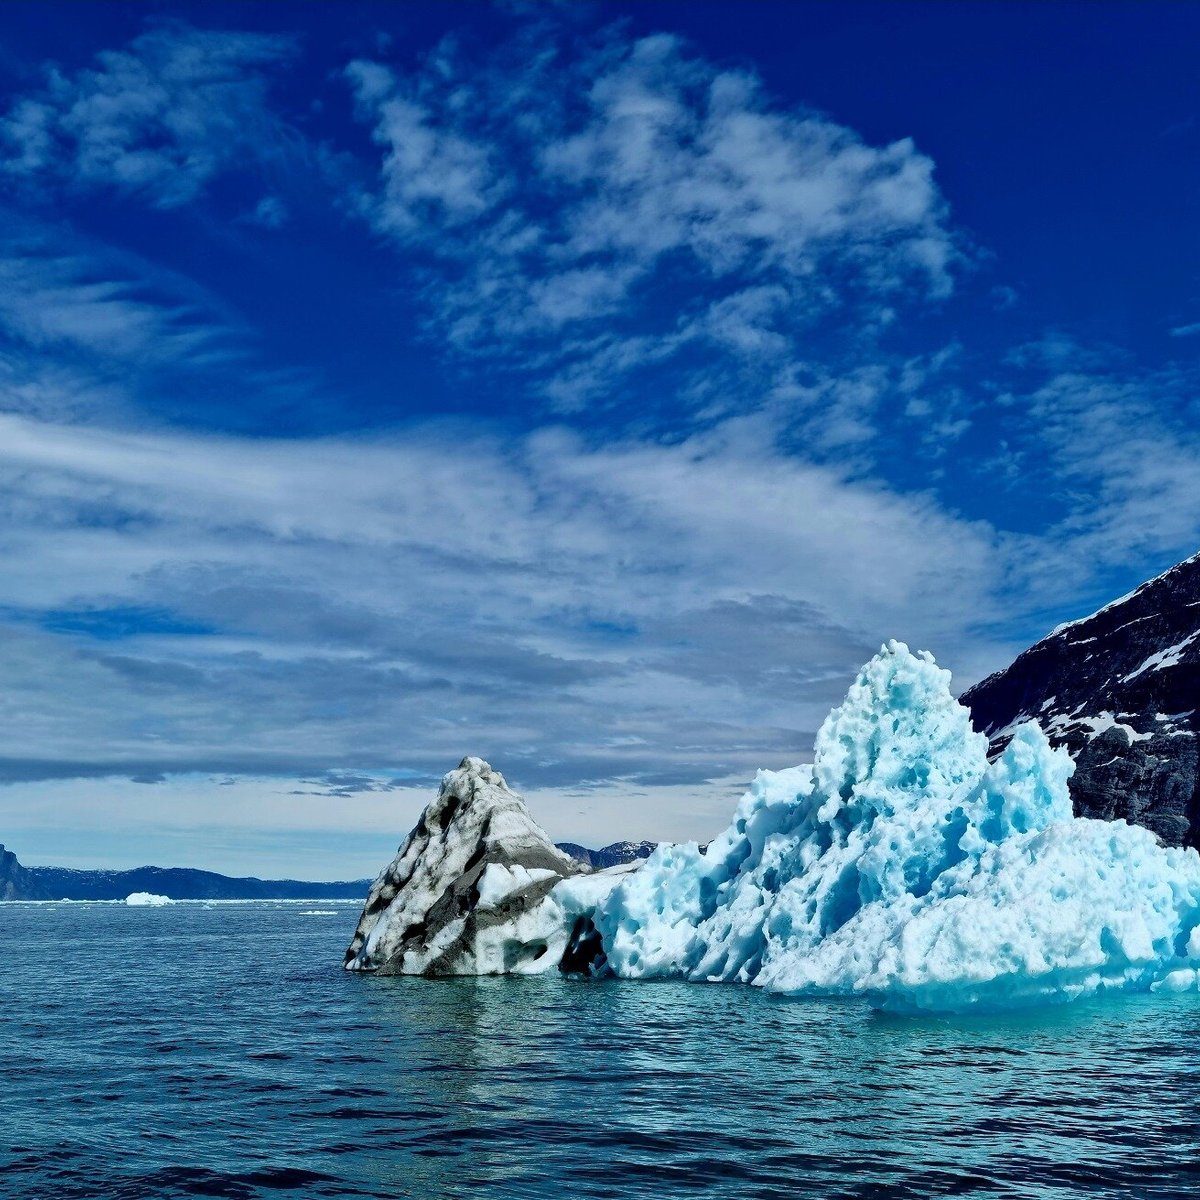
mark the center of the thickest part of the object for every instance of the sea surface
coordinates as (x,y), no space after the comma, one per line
(222,1051)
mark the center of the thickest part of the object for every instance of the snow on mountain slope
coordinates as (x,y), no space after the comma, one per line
(613,855)
(1121,691)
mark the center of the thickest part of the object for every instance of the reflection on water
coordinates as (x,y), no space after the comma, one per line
(184,1051)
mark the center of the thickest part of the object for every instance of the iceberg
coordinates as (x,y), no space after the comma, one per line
(477,888)
(147,900)
(901,866)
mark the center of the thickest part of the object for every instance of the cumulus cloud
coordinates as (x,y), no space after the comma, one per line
(158,120)
(617,204)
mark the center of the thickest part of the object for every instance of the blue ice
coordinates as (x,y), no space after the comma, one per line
(904,867)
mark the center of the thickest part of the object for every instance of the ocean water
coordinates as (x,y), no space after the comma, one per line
(193,1051)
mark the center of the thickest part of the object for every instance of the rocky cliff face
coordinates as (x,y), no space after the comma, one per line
(468,892)
(18,882)
(1121,690)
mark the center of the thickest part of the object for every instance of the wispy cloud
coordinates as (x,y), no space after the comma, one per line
(336,604)
(1131,441)
(609,223)
(158,120)
(616,204)
(1112,450)
(58,295)
(88,331)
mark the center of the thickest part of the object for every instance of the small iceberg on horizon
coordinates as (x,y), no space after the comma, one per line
(147,900)
(901,866)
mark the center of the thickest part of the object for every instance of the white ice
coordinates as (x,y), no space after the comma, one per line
(901,866)
(147,900)
(498,882)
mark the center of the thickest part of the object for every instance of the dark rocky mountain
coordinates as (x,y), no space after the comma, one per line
(613,855)
(179,883)
(16,881)
(1121,690)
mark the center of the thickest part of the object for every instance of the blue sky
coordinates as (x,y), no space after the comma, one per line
(589,387)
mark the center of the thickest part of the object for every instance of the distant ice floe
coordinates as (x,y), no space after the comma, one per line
(901,866)
(147,900)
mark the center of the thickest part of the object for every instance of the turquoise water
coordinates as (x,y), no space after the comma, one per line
(194,1051)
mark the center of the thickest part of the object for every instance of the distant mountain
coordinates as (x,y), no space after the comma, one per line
(16,881)
(179,883)
(1121,690)
(613,855)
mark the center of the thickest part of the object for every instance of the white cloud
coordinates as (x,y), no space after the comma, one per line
(61,299)
(270,212)
(433,175)
(297,605)
(88,332)
(1124,456)
(612,206)
(158,120)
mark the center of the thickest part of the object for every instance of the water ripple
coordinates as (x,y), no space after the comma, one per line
(222,1052)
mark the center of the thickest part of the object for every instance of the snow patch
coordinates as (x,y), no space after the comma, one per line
(1159,661)
(1091,726)
(498,882)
